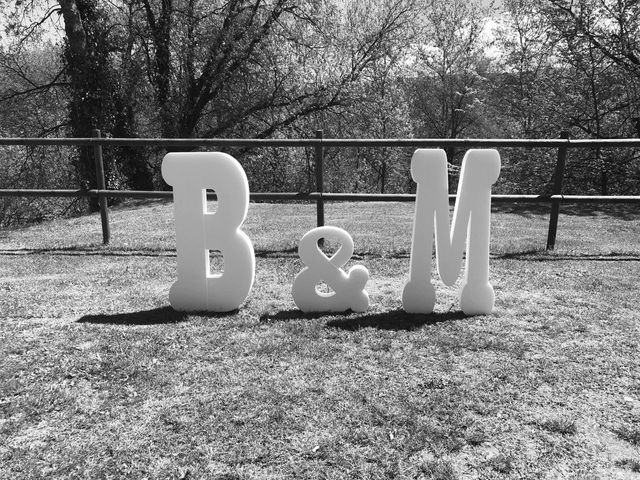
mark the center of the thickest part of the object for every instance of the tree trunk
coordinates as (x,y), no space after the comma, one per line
(81,108)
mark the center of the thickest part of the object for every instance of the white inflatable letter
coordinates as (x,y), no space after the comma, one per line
(471,218)
(197,231)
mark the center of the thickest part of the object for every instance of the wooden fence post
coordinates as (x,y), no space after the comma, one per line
(319,181)
(558,179)
(102,200)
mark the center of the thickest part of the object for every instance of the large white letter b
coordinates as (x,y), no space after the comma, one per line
(197,231)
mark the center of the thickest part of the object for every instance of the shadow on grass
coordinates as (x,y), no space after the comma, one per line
(142,252)
(284,252)
(157,316)
(295,314)
(545,256)
(394,320)
(623,211)
(82,251)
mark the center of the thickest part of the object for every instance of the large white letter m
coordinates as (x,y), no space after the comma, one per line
(471,219)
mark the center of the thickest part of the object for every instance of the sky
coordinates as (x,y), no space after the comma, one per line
(497,3)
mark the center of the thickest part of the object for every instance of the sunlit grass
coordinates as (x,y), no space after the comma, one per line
(100,378)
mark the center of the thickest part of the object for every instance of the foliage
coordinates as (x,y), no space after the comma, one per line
(362,69)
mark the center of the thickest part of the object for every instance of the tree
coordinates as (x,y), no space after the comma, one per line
(99,97)
(375,106)
(599,46)
(451,58)
(524,93)
(239,63)
(95,88)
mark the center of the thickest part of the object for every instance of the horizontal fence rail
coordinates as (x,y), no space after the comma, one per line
(328,142)
(336,197)
(563,144)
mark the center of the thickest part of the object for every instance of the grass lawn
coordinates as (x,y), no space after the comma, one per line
(100,378)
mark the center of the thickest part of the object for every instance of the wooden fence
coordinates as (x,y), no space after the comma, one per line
(563,144)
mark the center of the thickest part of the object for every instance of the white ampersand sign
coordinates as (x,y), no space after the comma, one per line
(348,288)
